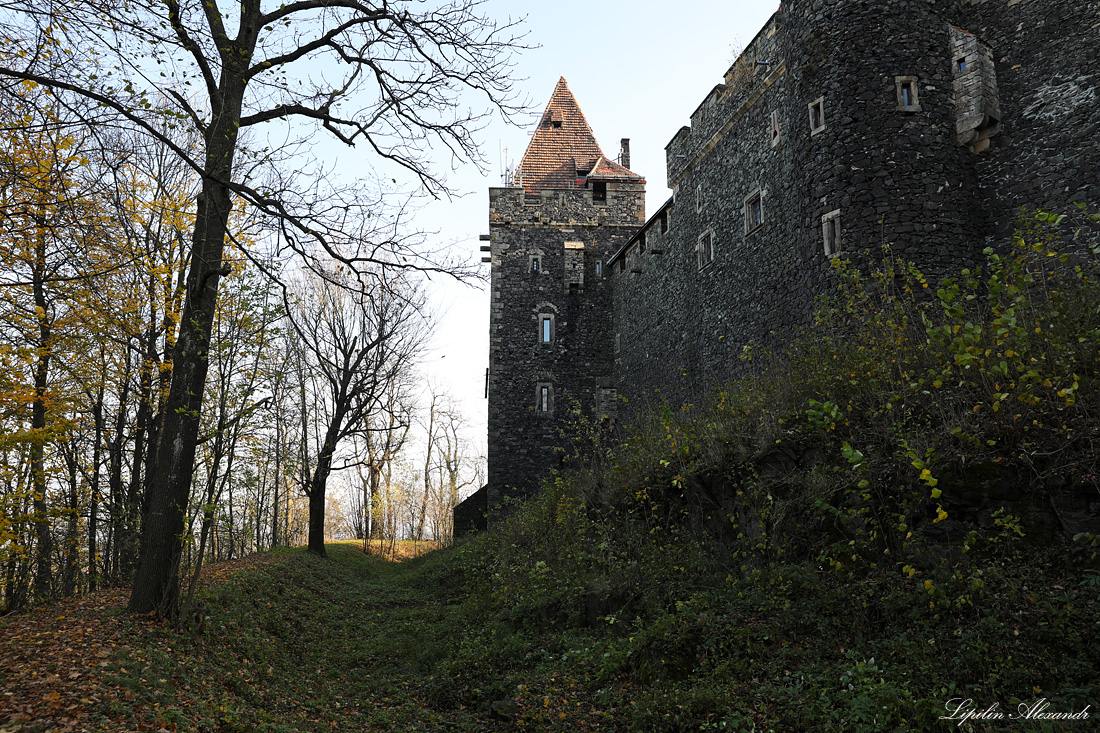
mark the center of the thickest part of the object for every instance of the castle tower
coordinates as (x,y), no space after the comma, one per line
(551,341)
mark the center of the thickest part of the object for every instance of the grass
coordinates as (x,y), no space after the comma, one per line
(289,642)
(466,639)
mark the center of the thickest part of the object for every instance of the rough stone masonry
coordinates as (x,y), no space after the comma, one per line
(843,126)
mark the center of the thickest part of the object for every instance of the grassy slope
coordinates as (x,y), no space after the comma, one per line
(290,642)
(296,643)
(845,541)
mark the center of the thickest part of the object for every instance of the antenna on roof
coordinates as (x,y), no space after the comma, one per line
(507,172)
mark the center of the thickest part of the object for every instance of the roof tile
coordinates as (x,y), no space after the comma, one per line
(564,147)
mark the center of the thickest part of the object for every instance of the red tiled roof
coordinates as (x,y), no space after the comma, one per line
(605,168)
(562,145)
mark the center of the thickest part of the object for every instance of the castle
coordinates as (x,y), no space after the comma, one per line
(843,125)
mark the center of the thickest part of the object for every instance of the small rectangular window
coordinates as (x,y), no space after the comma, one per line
(754,211)
(705,248)
(536,265)
(599,269)
(962,64)
(817,115)
(544,398)
(907,93)
(641,242)
(662,218)
(546,329)
(622,262)
(831,234)
(599,191)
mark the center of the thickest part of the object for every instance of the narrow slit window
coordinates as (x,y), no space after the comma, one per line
(698,199)
(961,64)
(754,211)
(705,248)
(775,127)
(907,93)
(817,115)
(536,264)
(663,220)
(641,242)
(546,329)
(544,398)
(831,234)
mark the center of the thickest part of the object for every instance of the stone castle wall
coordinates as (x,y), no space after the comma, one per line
(936,171)
(548,254)
(1047,152)
(844,126)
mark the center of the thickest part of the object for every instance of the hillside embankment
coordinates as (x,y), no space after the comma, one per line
(889,525)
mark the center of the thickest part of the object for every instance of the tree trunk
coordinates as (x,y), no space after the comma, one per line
(156,582)
(70,563)
(93,502)
(278,460)
(43,577)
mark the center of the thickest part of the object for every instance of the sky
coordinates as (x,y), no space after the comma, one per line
(638,70)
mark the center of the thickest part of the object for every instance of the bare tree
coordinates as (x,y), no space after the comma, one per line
(394,76)
(357,345)
(448,468)
(383,441)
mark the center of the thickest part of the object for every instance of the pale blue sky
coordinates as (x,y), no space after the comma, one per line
(638,70)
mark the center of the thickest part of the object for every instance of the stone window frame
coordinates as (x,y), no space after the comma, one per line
(775,131)
(662,220)
(832,234)
(547,329)
(756,197)
(544,398)
(907,91)
(536,263)
(599,193)
(961,64)
(817,115)
(706,249)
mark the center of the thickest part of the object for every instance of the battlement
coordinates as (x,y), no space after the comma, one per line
(756,68)
(617,203)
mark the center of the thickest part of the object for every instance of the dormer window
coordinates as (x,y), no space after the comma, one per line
(555,124)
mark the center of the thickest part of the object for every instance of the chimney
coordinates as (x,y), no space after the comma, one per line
(624,154)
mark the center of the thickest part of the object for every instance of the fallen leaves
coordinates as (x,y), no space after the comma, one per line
(54,660)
